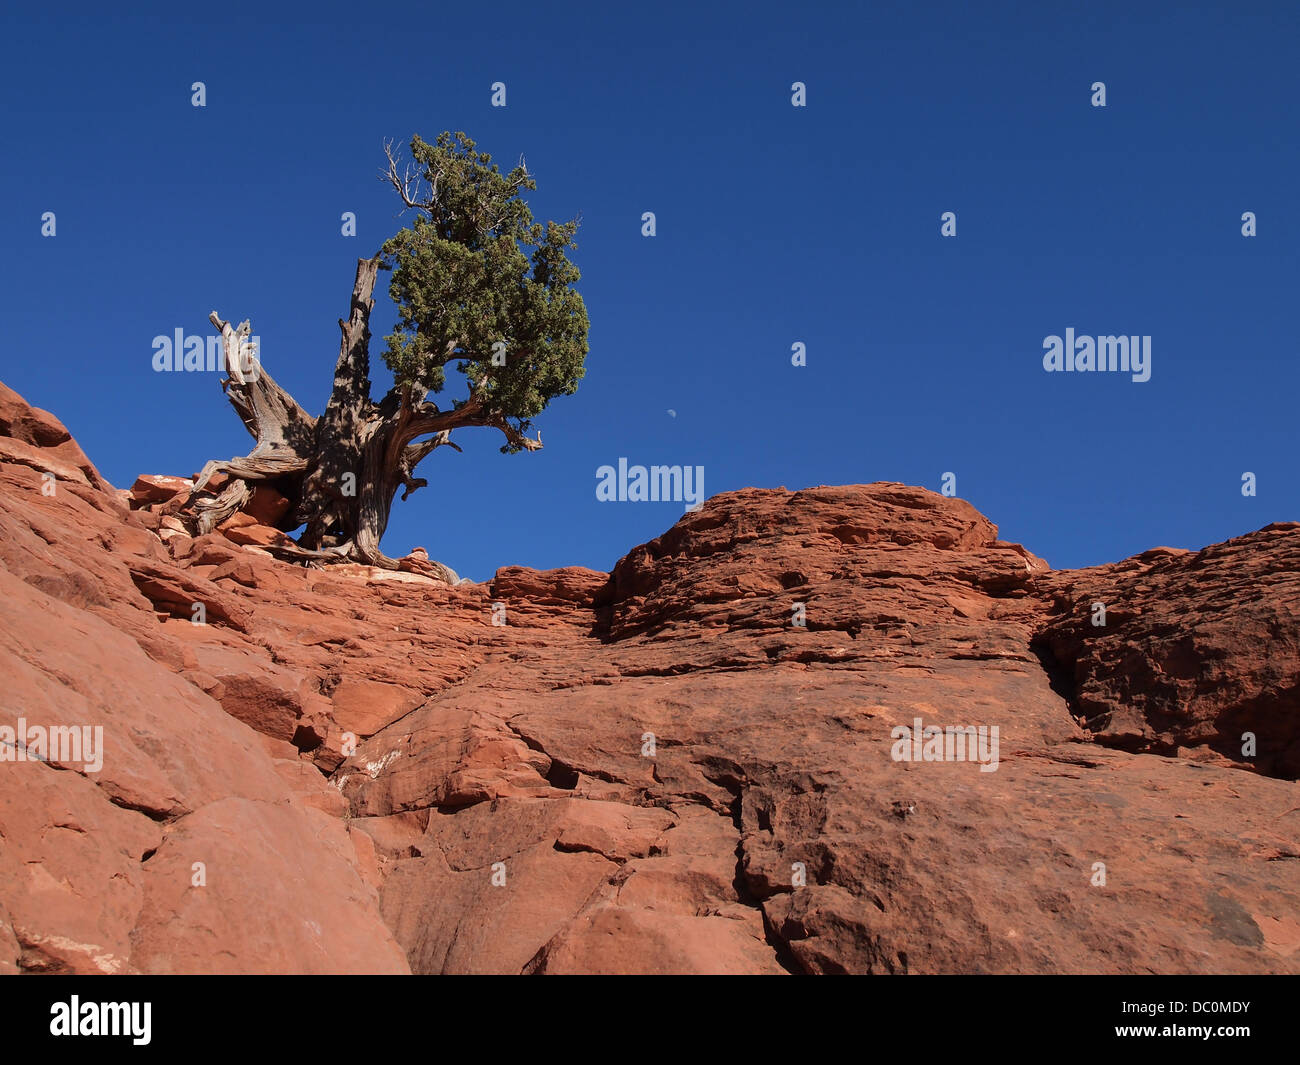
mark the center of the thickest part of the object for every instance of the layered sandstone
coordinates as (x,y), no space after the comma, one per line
(682,766)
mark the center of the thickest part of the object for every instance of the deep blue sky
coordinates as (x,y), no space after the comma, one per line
(775,225)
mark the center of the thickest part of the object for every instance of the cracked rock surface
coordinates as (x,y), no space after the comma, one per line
(683,766)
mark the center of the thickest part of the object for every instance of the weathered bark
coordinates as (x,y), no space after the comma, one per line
(340,471)
(284,432)
(325,507)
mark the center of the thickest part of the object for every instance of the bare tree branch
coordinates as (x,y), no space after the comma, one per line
(270,414)
(407,188)
(413,454)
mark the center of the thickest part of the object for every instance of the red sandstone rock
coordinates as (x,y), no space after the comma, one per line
(267,506)
(253,851)
(152,488)
(243,528)
(654,770)
(1197,650)
(366,706)
(79,887)
(215,484)
(22,424)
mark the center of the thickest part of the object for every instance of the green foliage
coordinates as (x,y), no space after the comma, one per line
(474,269)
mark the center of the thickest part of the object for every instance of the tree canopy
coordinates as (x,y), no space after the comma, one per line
(480,285)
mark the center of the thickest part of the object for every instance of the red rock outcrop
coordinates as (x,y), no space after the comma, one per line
(1199,651)
(686,765)
(189,850)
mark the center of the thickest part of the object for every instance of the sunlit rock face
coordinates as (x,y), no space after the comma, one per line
(845,729)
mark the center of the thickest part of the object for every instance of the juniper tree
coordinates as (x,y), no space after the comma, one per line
(480,288)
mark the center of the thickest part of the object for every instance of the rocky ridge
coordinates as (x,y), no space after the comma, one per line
(657,769)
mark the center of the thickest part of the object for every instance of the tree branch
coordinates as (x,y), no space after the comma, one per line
(283,430)
(516,438)
(352,370)
(268,412)
(407,183)
(414,454)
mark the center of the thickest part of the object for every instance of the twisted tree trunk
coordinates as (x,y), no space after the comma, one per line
(339,471)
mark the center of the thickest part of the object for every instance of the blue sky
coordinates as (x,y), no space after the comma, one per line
(776,224)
